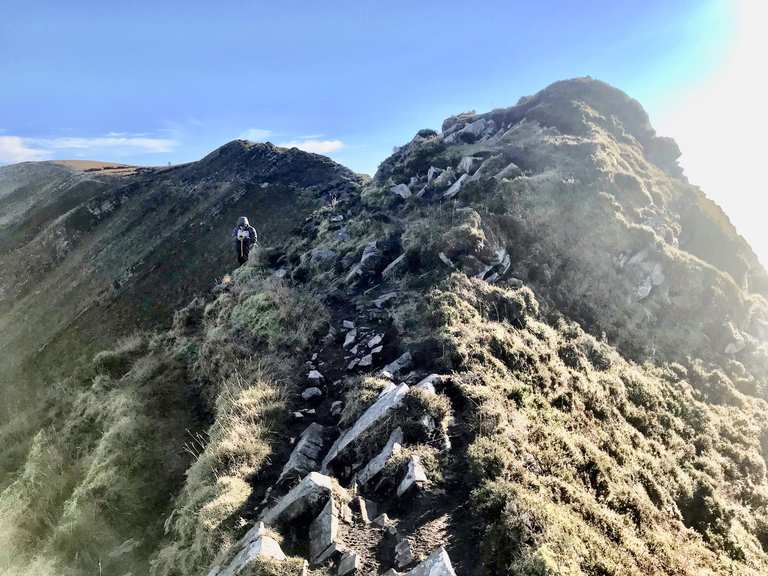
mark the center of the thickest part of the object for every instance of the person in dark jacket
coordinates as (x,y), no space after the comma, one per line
(245,237)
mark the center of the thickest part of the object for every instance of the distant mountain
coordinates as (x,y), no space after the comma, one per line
(90,255)
(528,345)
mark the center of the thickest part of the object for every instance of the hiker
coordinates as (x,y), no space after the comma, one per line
(245,237)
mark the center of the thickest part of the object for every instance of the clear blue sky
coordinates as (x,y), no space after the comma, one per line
(168,81)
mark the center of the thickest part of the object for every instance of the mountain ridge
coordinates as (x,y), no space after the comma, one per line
(565,340)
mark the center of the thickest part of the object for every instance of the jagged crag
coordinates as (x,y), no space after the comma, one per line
(527,345)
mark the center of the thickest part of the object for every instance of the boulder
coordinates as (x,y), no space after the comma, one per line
(438,564)
(315,376)
(512,170)
(349,564)
(444,179)
(455,187)
(368,509)
(401,190)
(428,384)
(348,324)
(468,164)
(377,463)
(394,267)
(305,457)
(382,521)
(403,554)
(473,131)
(382,300)
(414,476)
(388,400)
(322,255)
(311,393)
(399,365)
(255,544)
(433,173)
(309,494)
(350,338)
(323,531)
(369,262)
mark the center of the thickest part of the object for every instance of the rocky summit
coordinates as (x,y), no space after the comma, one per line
(528,345)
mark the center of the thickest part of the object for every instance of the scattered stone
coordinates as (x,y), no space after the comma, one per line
(337,218)
(445,179)
(401,190)
(382,300)
(349,564)
(657,275)
(445,260)
(403,554)
(377,350)
(399,365)
(337,407)
(366,361)
(348,324)
(511,171)
(377,463)
(350,338)
(311,393)
(468,164)
(382,521)
(256,544)
(428,384)
(315,377)
(391,572)
(354,350)
(314,357)
(305,457)
(352,365)
(321,255)
(644,290)
(334,550)
(394,267)
(386,402)
(455,187)
(386,374)
(369,262)
(324,530)
(414,476)
(309,494)
(375,341)
(368,509)
(298,416)
(342,234)
(433,173)
(473,131)
(438,564)
(309,411)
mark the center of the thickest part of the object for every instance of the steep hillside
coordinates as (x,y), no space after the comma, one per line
(527,346)
(87,256)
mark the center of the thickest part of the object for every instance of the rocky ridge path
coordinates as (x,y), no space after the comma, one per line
(318,503)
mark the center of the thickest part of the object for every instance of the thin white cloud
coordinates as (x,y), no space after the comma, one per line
(256,134)
(314,145)
(14,149)
(112,143)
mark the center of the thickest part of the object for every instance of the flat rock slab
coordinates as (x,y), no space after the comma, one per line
(305,457)
(349,564)
(311,492)
(386,402)
(438,564)
(400,365)
(378,462)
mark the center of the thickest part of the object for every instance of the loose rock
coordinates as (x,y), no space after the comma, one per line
(414,476)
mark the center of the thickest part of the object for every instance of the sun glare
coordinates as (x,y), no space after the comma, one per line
(721,122)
